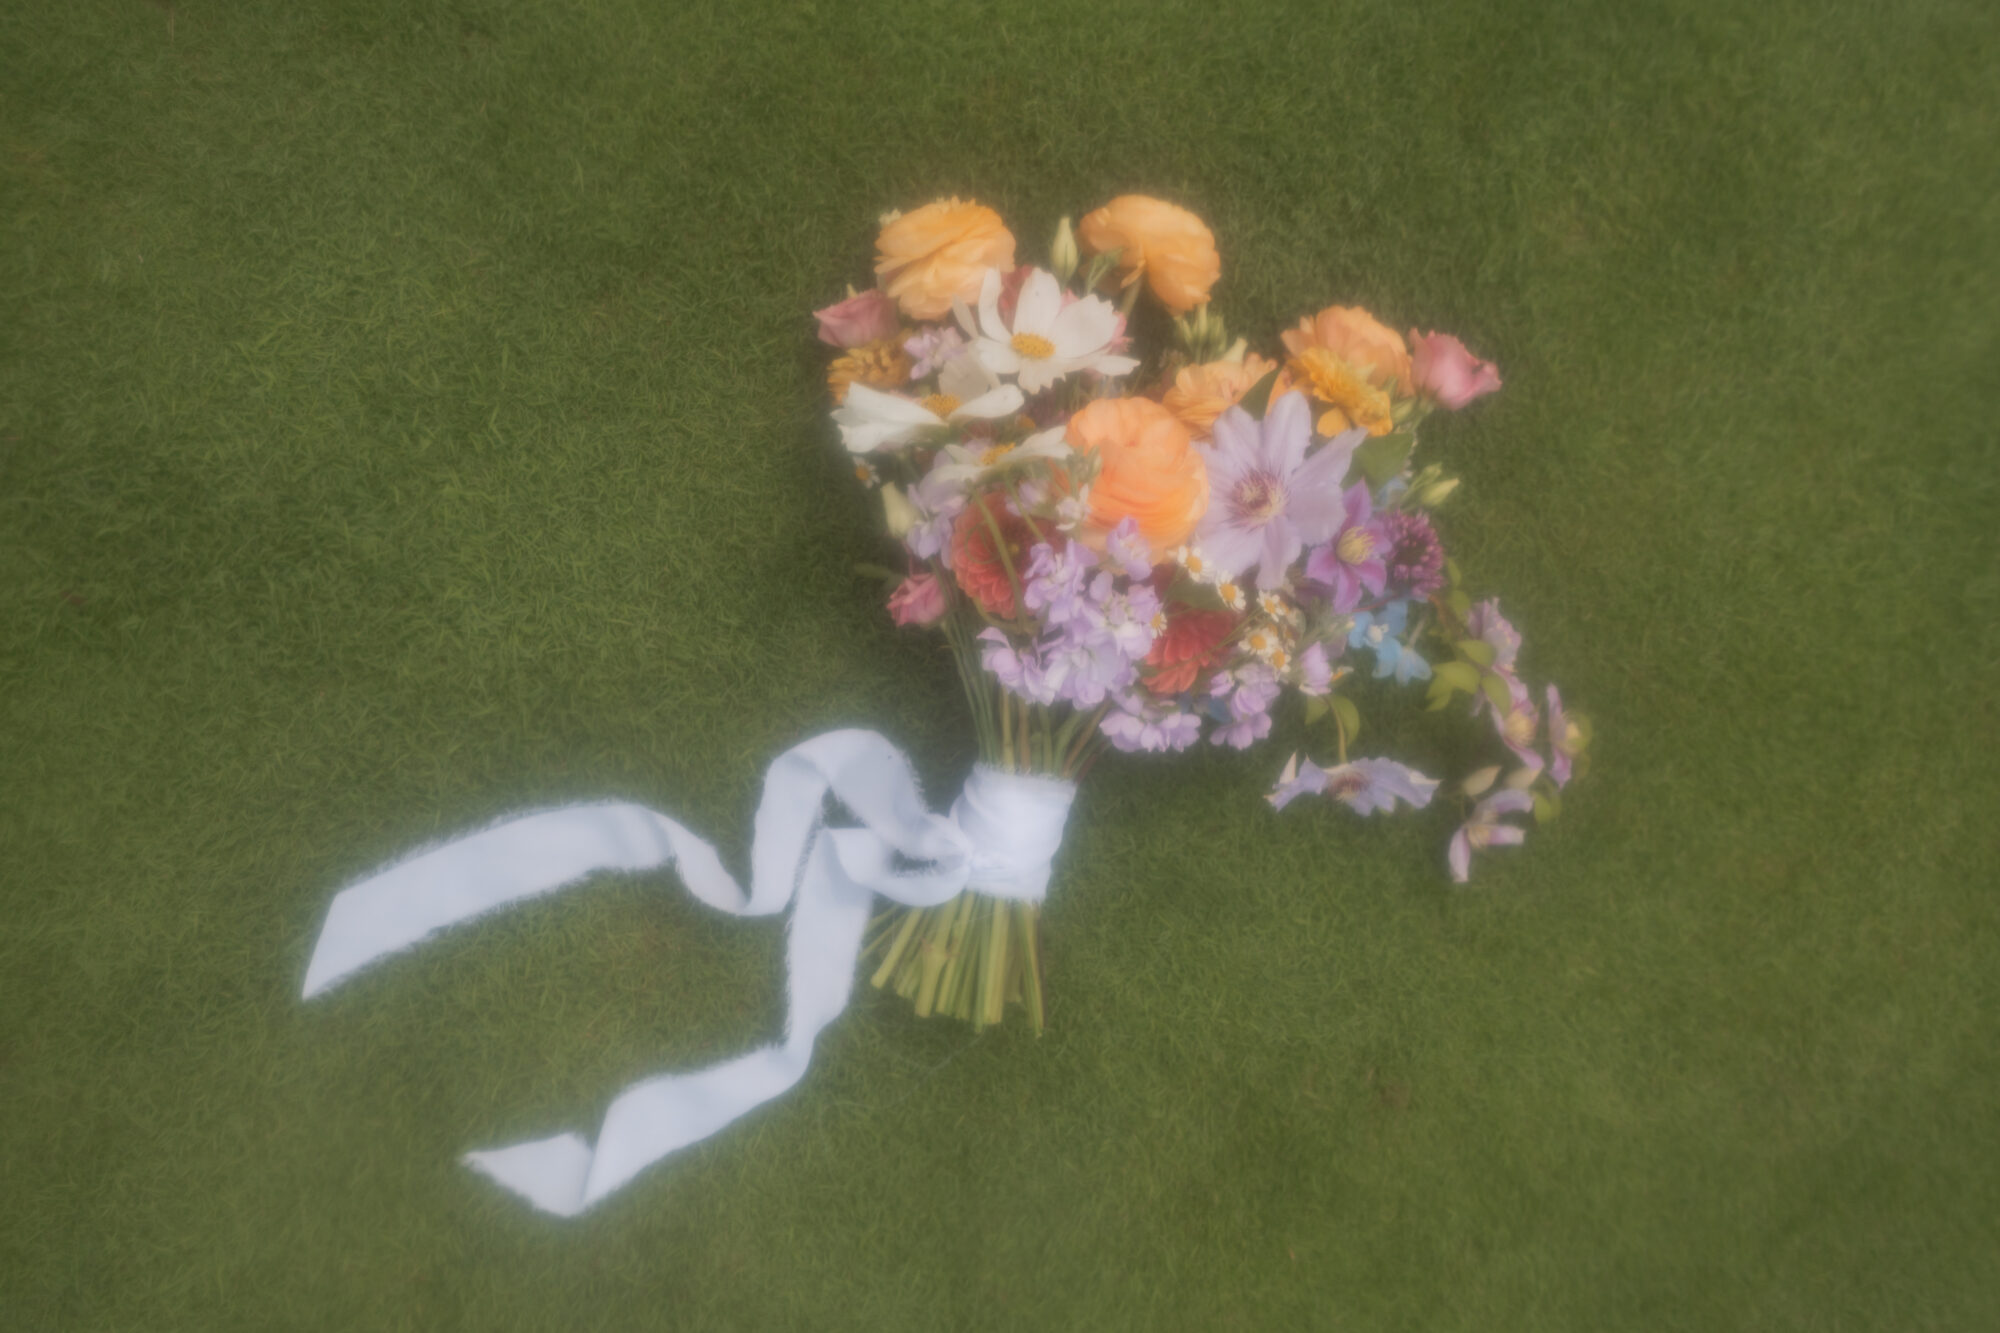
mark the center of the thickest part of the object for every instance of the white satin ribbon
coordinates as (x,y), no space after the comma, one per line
(1000,838)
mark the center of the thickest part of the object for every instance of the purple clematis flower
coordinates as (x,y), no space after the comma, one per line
(1351,562)
(1268,500)
(1365,786)
(1484,829)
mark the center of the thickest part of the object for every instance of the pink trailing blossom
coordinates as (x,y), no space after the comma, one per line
(865,317)
(1444,369)
(918,600)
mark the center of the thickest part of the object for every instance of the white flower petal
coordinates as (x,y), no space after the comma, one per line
(1085,326)
(964,377)
(999,402)
(1040,300)
(989,307)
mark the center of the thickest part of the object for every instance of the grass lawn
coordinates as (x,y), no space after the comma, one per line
(409,413)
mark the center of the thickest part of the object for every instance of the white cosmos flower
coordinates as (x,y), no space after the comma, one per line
(871,419)
(959,467)
(1049,339)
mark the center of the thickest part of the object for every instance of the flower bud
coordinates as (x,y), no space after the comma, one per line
(897,512)
(1063,257)
(1434,494)
(1479,781)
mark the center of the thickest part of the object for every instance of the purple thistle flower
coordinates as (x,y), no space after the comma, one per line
(1416,559)
(1267,499)
(1351,562)
(1484,829)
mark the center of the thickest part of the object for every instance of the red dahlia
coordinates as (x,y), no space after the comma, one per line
(975,558)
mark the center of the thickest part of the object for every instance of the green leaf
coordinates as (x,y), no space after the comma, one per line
(1545,809)
(867,571)
(1316,708)
(1193,592)
(1460,604)
(1497,693)
(1348,715)
(1258,400)
(1440,695)
(1476,651)
(1383,457)
(1451,571)
(1459,676)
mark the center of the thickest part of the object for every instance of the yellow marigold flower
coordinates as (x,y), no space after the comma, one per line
(1351,400)
(879,365)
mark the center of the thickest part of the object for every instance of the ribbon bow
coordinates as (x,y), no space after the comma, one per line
(1000,837)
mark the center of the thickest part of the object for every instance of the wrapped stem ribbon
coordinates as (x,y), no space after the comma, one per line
(1000,838)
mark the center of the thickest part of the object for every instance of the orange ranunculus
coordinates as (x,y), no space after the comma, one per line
(1359,339)
(1148,470)
(1170,246)
(1200,394)
(926,257)
(1350,399)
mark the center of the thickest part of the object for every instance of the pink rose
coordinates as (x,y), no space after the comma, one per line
(1447,372)
(918,600)
(864,318)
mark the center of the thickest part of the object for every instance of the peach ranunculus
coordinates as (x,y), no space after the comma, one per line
(1167,245)
(926,257)
(1147,469)
(1351,362)
(1200,394)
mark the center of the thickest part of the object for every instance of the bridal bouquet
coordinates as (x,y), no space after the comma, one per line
(1135,532)
(1132,532)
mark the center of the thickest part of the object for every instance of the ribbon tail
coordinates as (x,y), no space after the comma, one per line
(660,1116)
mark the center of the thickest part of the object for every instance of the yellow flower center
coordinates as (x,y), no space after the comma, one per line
(1356,545)
(995,454)
(940,404)
(1033,346)
(1572,738)
(1520,727)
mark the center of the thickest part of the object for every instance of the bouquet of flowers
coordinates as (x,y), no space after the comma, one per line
(1135,532)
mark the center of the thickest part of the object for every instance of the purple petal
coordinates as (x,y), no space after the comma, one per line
(1286,432)
(1507,801)
(1230,548)
(1373,576)
(1346,587)
(1237,434)
(1281,547)
(1506,835)
(1316,503)
(1461,857)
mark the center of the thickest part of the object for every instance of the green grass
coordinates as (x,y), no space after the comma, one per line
(408,414)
